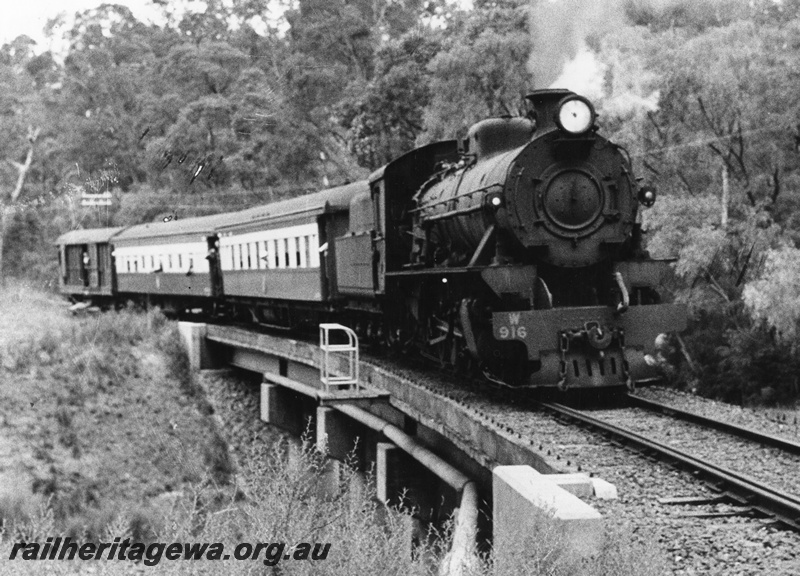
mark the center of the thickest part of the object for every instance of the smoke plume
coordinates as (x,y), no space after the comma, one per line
(560,31)
(565,32)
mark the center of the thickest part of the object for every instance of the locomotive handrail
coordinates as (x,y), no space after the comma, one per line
(452,213)
(456,197)
(625,303)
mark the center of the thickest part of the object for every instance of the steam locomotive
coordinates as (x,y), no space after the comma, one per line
(515,252)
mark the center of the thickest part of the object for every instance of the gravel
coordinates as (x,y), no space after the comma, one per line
(769,465)
(779,422)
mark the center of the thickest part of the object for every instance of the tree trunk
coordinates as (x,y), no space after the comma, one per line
(6,208)
(725,198)
(689,360)
(3,220)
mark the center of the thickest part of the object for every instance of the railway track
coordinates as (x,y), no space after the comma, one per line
(740,431)
(741,488)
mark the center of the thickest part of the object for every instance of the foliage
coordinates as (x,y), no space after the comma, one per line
(385,116)
(481,70)
(775,297)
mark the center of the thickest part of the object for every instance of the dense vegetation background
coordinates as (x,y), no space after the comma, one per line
(204,114)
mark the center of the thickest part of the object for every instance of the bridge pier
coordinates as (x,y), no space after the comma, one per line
(279,407)
(387,471)
(335,433)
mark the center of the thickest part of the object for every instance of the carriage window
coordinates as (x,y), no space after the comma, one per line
(285,250)
(302,261)
(169,261)
(263,260)
(291,250)
(280,255)
(307,250)
(180,262)
(128,263)
(241,256)
(314,249)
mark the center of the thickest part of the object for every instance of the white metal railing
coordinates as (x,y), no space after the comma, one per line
(330,352)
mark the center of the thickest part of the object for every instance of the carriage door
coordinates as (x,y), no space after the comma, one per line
(104,266)
(214,267)
(94,267)
(85,265)
(379,211)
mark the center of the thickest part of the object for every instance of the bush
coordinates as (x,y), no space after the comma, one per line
(741,362)
(177,359)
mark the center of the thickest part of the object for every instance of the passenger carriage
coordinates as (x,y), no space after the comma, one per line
(279,260)
(173,264)
(86,264)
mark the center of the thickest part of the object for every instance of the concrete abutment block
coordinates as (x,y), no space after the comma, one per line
(193,335)
(604,490)
(526,502)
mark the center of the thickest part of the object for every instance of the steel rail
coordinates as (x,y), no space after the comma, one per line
(783,506)
(741,431)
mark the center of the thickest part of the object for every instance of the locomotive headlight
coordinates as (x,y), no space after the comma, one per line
(647,196)
(575,115)
(494,200)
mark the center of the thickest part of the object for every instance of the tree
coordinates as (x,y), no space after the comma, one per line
(481,70)
(7,203)
(21,115)
(384,118)
(775,297)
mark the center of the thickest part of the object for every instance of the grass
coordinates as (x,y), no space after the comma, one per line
(101,411)
(365,538)
(543,552)
(286,508)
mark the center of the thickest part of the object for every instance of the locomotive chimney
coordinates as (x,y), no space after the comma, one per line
(545,105)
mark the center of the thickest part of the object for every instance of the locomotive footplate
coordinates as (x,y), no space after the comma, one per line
(589,346)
